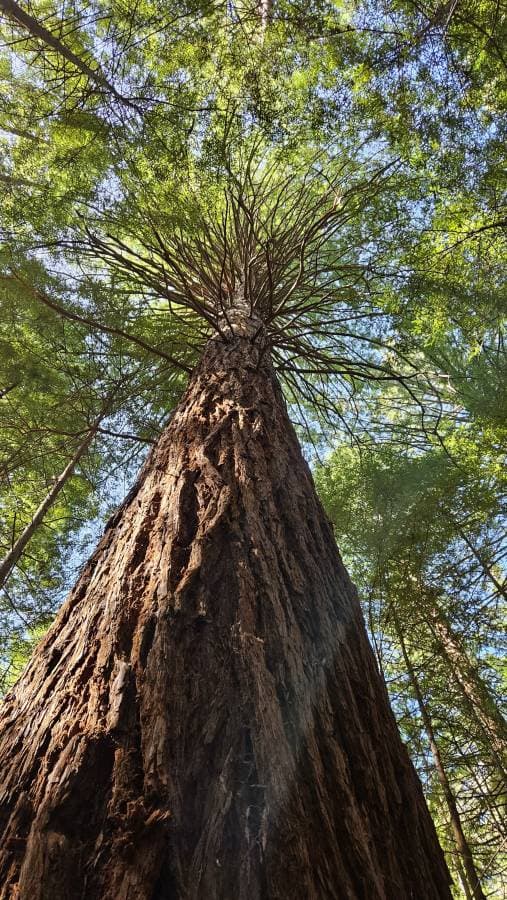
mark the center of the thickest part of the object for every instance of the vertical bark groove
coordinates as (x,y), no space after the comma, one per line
(205,720)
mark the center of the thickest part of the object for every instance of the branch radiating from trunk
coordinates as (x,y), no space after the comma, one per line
(205,719)
(93,323)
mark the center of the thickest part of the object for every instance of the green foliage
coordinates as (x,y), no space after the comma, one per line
(17,654)
(423,535)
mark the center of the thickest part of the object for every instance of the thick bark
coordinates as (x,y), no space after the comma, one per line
(468,872)
(205,720)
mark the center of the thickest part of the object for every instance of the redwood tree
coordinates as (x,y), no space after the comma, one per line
(129,769)
(205,718)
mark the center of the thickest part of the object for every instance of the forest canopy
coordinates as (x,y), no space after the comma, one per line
(343,164)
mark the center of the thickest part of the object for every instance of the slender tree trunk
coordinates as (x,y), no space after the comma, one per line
(470,877)
(205,720)
(12,557)
(473,689)
(463,878)
(487,569)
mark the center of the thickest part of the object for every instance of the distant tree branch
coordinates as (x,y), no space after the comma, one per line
(99,326)
(38,31)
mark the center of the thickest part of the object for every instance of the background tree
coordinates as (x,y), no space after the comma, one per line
(422,534)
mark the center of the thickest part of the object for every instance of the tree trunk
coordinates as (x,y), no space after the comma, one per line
(474,690)
(500,586)
(11,558)
(469,877)
(205,720)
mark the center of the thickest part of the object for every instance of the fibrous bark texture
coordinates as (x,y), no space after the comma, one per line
(205,720)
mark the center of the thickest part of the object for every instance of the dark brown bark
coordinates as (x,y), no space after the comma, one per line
(205,720)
